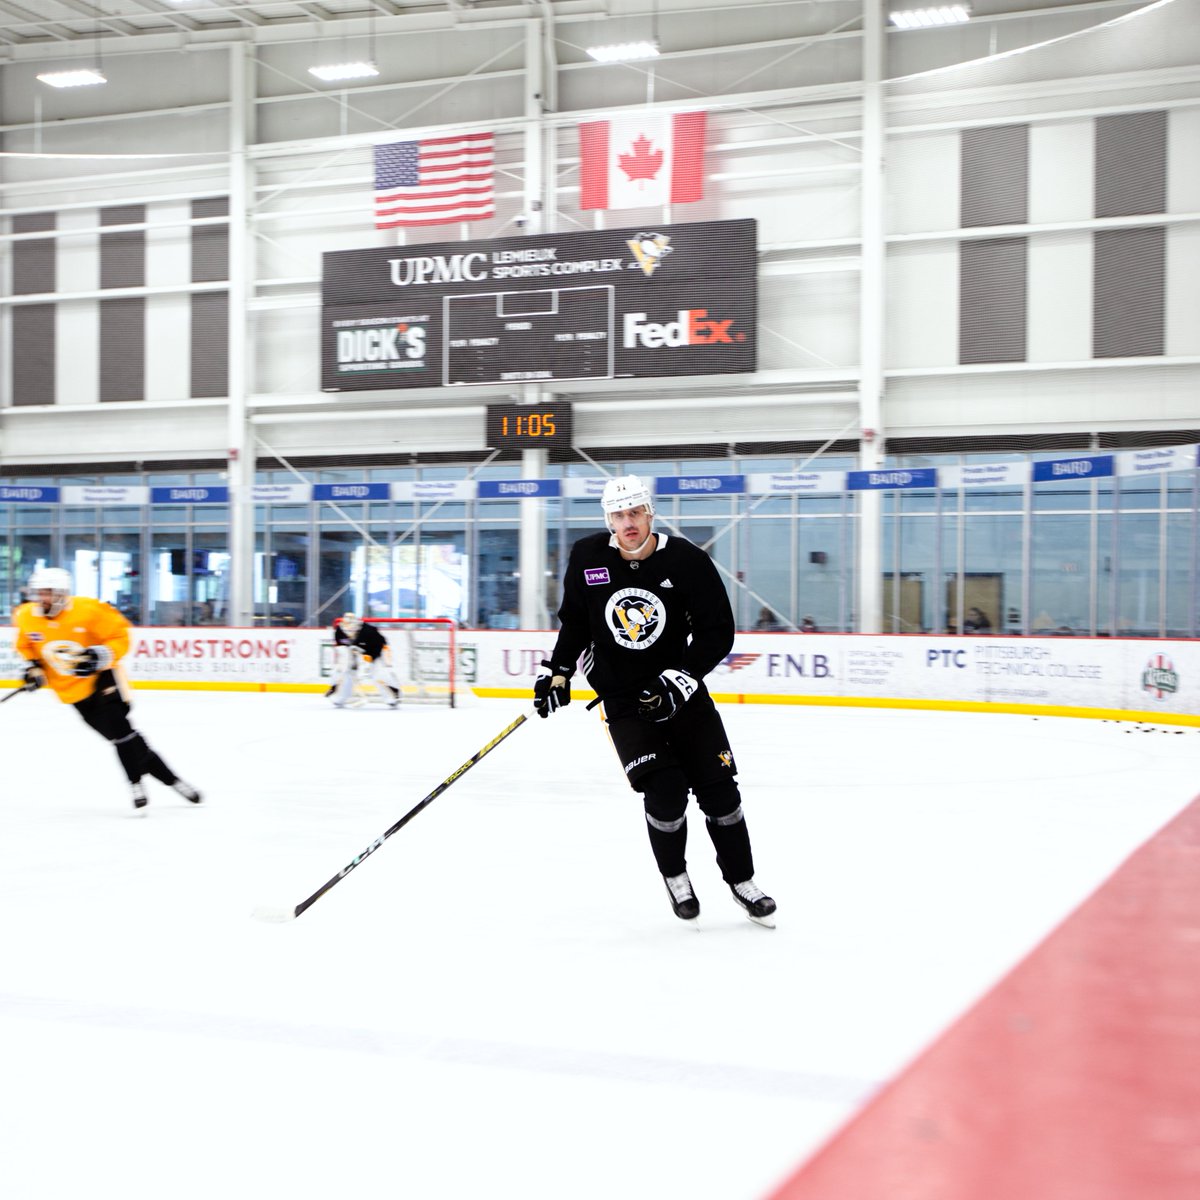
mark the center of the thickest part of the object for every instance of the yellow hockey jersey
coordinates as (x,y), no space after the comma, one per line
(53,642)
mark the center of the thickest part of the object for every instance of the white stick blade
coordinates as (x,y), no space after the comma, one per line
(273,914)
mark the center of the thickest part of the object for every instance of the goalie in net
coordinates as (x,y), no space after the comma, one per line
(386,659)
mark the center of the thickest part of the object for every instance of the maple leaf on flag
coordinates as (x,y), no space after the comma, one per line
(641,164)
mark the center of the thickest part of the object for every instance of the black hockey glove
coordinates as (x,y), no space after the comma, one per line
(664,698)
(92,660)
(551,689)
(35,677)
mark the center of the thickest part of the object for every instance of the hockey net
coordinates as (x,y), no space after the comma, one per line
(424,659)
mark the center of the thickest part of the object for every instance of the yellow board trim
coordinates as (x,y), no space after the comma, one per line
(1146,716)
(1033,710)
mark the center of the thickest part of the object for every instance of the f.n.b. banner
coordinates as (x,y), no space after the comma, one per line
(610,304)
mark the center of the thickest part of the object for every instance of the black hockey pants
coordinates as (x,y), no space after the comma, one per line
(107,712)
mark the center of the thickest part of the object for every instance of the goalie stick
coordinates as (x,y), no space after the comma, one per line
(279,915)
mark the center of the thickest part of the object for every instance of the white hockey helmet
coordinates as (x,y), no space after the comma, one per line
(57,582)
(351,624)
(625,491)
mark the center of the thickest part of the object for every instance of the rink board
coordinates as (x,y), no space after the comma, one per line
(1109,678)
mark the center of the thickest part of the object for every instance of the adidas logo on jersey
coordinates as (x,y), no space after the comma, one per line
(666,583)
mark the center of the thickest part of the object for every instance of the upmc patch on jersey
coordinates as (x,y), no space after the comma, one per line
(636,618)
(594,576)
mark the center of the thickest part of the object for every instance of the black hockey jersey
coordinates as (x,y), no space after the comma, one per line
(639,617)
(368,639)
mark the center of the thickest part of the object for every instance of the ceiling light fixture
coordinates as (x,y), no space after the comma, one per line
(624,52)
(928,18)
(84,77)
(335,72)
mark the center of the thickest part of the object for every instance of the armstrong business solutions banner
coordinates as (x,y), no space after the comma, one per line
(609,304)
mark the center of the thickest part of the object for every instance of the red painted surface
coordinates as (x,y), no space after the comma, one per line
(1076,1078)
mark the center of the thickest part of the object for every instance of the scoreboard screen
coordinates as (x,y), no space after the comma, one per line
(505,337)
(607,304)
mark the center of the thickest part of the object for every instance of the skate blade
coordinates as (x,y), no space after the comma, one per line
(765,922)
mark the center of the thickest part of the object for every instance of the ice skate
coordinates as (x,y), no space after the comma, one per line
(186,790)
(138,792)
(756,904)
(683,898)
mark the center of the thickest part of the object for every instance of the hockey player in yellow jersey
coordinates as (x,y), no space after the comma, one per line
(74,645)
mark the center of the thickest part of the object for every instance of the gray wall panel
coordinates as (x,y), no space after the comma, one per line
(123,349)
(1129,291)
(33,354)
(210,345)
(123,255)
(123,319)
(992,300)
(1131,164)
(34,271)
(33,262)
(994,176)
(210,310)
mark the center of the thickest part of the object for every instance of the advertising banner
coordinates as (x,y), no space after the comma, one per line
(1145,678)
(606,304)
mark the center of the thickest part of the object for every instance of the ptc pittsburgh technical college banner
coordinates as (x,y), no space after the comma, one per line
(609,304)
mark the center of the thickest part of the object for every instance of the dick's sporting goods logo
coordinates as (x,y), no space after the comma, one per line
(693,327)
(396,346)
(636,618)
(1160,677)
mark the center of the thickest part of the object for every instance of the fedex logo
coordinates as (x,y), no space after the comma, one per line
(694,327)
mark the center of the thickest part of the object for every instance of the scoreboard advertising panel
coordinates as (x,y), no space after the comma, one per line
(609,304)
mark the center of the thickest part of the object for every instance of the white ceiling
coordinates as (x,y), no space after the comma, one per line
(47,26)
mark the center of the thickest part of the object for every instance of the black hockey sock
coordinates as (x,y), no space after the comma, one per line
(664,794)
(138,759)
(159,769)
(669,847)
(131,750)
(726,825)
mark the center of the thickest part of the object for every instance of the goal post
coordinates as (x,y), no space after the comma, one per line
(424,657)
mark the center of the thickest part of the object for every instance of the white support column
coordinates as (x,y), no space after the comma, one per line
(531,553)
(240,435)
(871,322)
(534,200)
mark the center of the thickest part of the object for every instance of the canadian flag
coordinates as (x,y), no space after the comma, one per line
(642,161)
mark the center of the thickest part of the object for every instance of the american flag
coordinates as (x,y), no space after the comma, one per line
(434,181)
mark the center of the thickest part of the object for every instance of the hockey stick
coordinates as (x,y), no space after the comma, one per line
(14,692)
(268,913)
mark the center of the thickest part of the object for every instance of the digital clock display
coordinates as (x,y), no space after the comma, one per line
(512,428)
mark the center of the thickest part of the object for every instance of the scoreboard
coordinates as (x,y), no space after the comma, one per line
(654,302)
(565,333)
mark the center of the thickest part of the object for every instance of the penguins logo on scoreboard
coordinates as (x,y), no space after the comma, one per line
(636,618)
(648,250)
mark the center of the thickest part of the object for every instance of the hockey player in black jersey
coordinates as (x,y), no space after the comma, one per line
(361,644)
(651,617)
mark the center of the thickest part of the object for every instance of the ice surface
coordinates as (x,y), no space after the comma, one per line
(499,1002)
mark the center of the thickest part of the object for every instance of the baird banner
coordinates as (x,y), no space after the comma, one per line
(610,304)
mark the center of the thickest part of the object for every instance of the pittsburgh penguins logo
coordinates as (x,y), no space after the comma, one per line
(636,618)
